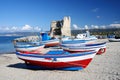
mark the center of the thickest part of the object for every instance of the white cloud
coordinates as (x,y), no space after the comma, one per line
(95,10)
(14,28)
(103,27)
(75,26)
(117,22)
(27,28)
(115,25)
(97,17)
(23,28)
(98,27)
(94,26)
(37,28)
(86,27)
(6,28)
(1,28)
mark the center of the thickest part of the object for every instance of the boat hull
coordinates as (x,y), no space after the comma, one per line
(51,44)
(113,40)
(100,48)
(69,61)
(77,41)
(58,65)
(29,48)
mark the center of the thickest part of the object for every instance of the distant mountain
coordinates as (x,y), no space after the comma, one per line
(19,34)
(98,31)
(73,32)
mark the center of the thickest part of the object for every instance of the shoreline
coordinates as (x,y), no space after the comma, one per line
(102,67)
(7,52)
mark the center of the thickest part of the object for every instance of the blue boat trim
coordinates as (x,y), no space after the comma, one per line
(62,55)
(27,46)
(85,46)
(75,41)
(77,47)
(96,44)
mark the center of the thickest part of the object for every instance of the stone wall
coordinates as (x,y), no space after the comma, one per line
(66,30)
(61,27)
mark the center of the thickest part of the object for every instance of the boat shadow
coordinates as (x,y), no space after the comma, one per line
(24,66)
(33,67)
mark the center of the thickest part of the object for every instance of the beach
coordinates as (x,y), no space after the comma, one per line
(102,67)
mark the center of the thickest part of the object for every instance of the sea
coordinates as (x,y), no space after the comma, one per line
(6,45)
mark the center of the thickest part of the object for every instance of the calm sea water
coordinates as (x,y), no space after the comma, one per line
(6,45)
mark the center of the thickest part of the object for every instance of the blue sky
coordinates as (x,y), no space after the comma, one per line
(27,15)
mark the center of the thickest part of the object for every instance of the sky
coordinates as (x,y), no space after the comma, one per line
(36,15)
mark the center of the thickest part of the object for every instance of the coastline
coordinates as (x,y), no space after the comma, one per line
(102,67)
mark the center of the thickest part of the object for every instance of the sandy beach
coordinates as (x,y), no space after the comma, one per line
(102,67)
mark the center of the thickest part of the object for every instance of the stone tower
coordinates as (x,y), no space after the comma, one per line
(66,26)
(61,27)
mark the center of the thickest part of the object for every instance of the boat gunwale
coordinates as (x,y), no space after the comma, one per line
(57,55)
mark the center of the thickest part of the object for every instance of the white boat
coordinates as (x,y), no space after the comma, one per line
(100,48)
(86,36)
(113,40)
(76,42)
(27,48)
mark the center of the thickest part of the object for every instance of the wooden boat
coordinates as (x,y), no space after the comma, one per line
(114,40)
(27,48)
(48,43)
(83,47)
(77,41)
(51,43)
(58,59)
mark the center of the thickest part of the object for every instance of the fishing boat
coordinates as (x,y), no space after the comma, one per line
(77,41)
(86,36)
(28,48)
(114,40)
(85,47)
(51,43)
(58,59)
(48,41)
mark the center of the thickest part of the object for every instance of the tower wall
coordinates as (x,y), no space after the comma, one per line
(66,30)
(61,27)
